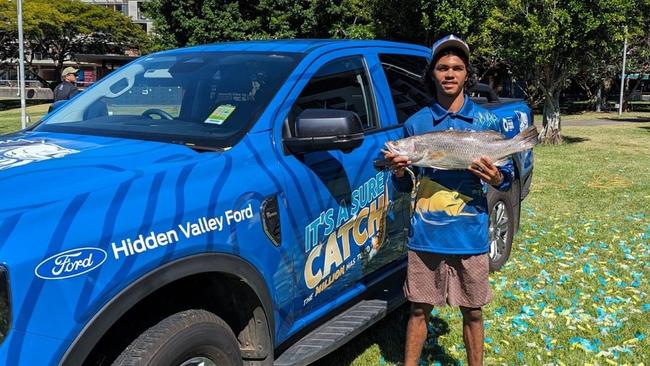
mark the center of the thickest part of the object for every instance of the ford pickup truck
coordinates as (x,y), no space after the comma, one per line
(218,205)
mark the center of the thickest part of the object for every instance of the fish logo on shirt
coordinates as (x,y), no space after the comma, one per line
(433,197)
(486,120)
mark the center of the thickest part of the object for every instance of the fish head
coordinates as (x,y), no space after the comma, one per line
(404,147)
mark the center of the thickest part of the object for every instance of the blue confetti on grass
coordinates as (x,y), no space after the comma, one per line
(591,346)
(519,324)
(549,343)
(500,311)
(563,279)
(527,310)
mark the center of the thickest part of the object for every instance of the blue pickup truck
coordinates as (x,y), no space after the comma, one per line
(218,205)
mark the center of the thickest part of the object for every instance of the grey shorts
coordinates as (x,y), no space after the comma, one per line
(443,279)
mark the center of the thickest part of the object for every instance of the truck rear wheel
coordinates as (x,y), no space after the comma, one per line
(501,227)
(188,338)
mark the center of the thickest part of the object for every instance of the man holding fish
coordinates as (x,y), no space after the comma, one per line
(457,149)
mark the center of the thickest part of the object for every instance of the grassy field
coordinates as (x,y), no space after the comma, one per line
(10,119)
(576,289)
(589,115)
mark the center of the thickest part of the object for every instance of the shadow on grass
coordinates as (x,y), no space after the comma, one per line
(389,335)
(573,140)
(628,119)
(647,128)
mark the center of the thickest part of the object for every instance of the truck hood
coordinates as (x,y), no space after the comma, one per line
(39,168)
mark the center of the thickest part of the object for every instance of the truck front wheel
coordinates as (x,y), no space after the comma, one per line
(188,338)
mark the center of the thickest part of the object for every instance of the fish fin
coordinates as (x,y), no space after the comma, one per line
(434,167)
(490,135)
(527,138)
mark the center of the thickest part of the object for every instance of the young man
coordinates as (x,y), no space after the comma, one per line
(67,89)
(448,262)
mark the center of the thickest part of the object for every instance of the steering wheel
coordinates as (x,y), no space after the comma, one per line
(157,112)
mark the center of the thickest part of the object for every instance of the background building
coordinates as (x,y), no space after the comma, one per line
(92,67)
(130,8)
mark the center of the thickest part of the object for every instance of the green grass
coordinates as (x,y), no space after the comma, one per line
(575,291)
(10,119)
(590,115)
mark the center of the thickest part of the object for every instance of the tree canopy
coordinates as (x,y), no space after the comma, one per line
(60,29)
(548,42)
(541,44)
(183,23)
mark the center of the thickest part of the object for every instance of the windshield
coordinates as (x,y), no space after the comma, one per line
(206,99)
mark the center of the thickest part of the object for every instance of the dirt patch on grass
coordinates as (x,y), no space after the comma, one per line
(600,181)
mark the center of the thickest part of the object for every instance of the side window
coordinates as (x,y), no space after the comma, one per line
(340,84)
(405,79)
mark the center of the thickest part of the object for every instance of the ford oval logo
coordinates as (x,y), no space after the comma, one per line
(70,263)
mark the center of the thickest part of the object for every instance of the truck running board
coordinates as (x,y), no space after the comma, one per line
(334,333)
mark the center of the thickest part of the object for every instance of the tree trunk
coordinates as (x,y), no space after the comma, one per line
(551,122)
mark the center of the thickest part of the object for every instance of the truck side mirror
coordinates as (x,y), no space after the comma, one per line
(325,129)
(56,105)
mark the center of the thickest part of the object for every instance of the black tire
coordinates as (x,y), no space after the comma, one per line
(501,227)
(191,334)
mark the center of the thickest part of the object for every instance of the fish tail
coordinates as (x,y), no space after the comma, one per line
(526,139)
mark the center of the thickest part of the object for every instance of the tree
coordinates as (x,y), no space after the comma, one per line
(639,55)
(60,29)
(398,20)
(177,24)
(8,37)
(547,41)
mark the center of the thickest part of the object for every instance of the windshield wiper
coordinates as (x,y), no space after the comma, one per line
(200,148)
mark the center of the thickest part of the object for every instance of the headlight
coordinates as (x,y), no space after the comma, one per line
(5,304)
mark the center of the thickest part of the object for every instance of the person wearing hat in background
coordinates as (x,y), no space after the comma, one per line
(448,261)
(67,89)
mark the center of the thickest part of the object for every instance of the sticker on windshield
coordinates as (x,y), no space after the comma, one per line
(220,114)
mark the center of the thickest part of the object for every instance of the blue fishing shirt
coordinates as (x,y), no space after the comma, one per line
(451,213)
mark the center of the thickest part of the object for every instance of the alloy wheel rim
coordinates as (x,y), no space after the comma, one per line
(198,361)
(498,230)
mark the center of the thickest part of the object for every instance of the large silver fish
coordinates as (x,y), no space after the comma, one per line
(455,150)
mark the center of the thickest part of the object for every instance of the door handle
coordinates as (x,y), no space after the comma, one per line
(379,164)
